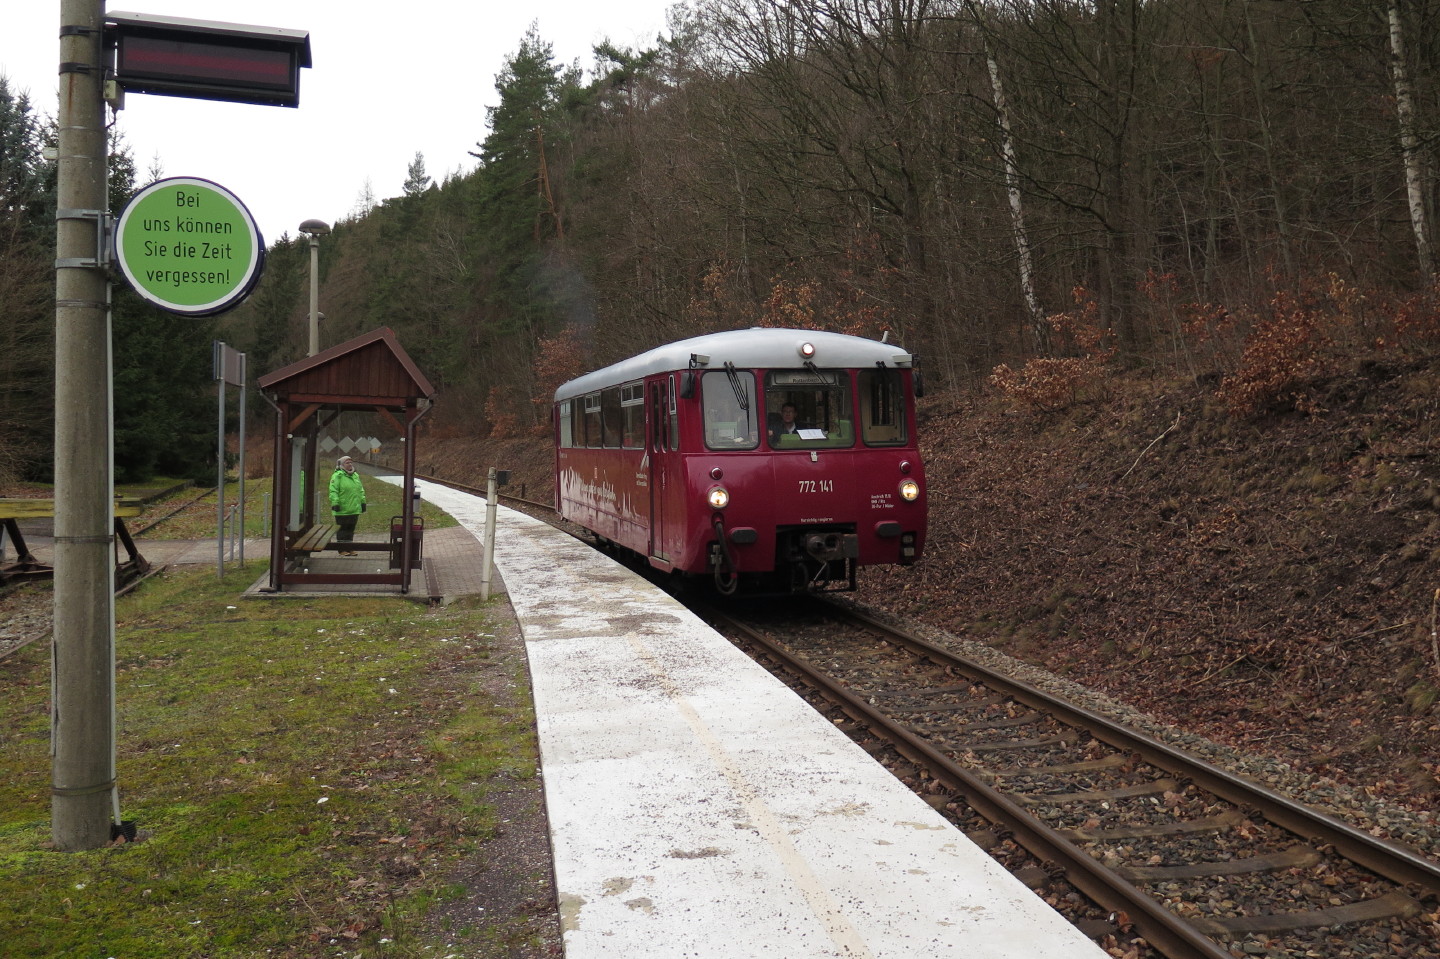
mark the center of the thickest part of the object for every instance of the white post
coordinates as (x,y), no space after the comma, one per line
(489,536)
(242,459)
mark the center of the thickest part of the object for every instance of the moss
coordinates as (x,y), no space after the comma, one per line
(274,754)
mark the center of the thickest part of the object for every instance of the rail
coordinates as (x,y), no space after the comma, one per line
(972,768)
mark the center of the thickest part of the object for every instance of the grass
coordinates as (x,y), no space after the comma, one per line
(304,774)
(383,501)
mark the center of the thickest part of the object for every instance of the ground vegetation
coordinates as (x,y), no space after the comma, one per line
(302,778)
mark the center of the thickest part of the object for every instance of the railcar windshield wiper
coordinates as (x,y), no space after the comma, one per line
(740,397)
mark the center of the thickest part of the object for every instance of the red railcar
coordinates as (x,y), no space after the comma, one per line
(768,459)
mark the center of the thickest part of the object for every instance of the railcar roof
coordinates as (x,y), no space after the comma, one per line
(759,347)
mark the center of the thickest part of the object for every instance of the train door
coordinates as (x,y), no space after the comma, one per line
(658,449)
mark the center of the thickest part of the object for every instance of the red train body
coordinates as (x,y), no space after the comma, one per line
(687,456)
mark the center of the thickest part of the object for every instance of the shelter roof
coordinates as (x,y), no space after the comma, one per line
(370,370)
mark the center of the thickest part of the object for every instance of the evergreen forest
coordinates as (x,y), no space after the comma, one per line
(1027,194)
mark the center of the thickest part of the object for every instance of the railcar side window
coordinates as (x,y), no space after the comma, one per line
(592,420)
(731,421)
(882,407)
(809,409)
(610,417)
(632,416)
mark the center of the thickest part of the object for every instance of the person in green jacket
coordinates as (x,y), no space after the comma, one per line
(347,501)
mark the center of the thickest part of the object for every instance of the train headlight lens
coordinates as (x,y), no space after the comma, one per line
(909,490)
(719,497)
(806,350)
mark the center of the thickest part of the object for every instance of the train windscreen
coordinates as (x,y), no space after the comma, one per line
(730,410)
(809,409)
(882,408)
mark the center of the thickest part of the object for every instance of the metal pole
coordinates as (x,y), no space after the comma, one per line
(489,536)
(314,294)
(220,462)
(83,665)
(242,459)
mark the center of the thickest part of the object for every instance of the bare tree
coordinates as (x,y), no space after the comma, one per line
(1409,142)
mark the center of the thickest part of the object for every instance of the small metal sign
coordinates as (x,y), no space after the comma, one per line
(189,246)
(229,364)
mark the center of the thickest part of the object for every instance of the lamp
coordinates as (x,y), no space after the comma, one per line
(314,229)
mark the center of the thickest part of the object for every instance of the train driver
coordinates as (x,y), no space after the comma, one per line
(786,424)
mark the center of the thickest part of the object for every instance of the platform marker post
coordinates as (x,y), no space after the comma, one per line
(489,536)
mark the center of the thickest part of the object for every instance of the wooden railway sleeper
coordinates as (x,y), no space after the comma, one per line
(1152,788)
(1059,739)
(1389,906)
(1064,769)
(1222,822)
(1293,857)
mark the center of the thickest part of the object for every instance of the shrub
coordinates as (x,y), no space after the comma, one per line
(1291,342)
(1051,383)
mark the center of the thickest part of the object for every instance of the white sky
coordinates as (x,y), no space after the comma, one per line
(388,80)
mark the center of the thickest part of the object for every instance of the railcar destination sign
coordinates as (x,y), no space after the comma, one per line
(189,246)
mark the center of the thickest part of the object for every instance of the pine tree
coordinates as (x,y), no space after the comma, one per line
(27,290)
(417,181)
(527,278)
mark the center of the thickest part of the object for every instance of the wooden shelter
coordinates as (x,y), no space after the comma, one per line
(371,374)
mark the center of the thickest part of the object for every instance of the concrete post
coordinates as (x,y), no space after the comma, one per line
(489,536)
(314,294)
(83,718)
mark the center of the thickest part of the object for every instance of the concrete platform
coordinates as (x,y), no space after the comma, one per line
(699,808)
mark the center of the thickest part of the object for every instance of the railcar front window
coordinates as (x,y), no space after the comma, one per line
(731,420)
(882,407)
(809,409)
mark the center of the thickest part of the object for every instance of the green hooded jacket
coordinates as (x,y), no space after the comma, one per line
(347,493)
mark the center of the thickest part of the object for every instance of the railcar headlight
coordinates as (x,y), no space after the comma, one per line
(909,490)
(719,497)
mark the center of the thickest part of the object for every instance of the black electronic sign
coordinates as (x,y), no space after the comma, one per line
(206,59)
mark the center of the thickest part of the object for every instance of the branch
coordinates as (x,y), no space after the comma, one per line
(1148,448)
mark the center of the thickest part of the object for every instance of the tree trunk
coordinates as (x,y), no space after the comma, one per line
(1036,317)
(1410,145)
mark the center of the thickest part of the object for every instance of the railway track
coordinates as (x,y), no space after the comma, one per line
(39,632)
(1202,862)
(544,511)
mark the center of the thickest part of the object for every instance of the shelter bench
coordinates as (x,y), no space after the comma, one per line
(314,539)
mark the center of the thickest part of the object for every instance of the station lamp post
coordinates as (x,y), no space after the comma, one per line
(314,229)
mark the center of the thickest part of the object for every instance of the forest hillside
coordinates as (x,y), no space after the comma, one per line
(1036,187)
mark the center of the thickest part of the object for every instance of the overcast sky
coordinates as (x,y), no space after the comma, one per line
(388,79)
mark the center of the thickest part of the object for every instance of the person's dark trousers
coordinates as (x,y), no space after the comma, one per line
(346,532)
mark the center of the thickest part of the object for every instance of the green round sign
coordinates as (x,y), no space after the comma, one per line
(189,246)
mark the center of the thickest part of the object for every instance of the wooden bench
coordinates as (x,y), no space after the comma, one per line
(314,539)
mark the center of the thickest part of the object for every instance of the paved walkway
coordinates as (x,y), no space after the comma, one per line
(452,561)
(451,565)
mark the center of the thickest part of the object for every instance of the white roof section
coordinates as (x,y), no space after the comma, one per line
(755,348)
